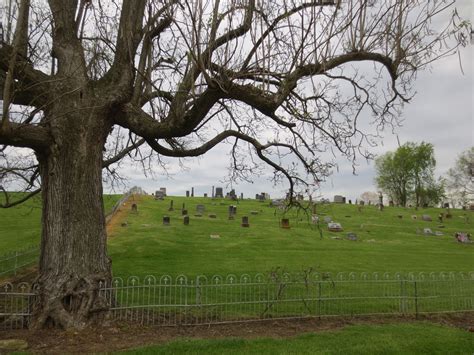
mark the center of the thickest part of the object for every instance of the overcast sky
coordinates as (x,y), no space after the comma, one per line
(441,113)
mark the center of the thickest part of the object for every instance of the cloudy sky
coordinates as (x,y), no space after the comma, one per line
(441,113)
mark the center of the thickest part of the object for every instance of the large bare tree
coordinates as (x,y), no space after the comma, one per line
(87,83)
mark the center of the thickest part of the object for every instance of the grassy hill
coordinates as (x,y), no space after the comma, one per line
(20,226)
(385,241)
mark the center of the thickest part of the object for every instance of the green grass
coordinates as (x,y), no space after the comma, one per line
(386,243)
(410,338)
(20,226)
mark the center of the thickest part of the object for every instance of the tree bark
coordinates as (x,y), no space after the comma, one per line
(74,258)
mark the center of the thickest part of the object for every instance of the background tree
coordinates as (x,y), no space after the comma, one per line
(87,83)
(408,175)
(459,180)
(371,196)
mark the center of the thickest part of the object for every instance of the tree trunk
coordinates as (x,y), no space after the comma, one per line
(73,259)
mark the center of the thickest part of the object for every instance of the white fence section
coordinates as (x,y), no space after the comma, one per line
(168,301)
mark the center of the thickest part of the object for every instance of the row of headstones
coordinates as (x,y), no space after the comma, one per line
(167,220)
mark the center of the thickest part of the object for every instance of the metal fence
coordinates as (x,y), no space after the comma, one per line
(11,262)
(217,299)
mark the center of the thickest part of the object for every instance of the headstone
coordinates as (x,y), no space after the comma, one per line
(351,236)
(285,223)
(334,227)
(192,191)
(205,195)
(463,237)
(200,209)
(350,202)
(339,199)
(184,212)
(427,231)
(166,220)
(439,234)
(159,195)
(232,195)
(183,207)
(327,219)
(219,192)
(187,193)
(254,212)
(171,206)
(361,203)
(426,218)
(440,218)
(134,208)
(414,216)
(215,236)
(186,220)
(241,195)
(400,216)
(245,222)
(212,215)
(314,219)
(213,192)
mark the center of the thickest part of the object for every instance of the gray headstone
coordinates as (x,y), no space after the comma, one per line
(245,222)
(426,218)
(285,223)
(351,236)
(200,209)
(171,206)
(219,192)
(186,220)
(184,212)
(166,221)
(334,227)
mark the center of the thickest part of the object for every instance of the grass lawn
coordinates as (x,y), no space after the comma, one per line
(20,226)
(410,338)
(385,242)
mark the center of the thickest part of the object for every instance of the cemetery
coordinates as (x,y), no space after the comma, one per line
(269,244)
(207,240)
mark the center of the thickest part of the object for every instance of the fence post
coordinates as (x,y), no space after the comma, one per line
(319,299)
(16,263)
(416,300)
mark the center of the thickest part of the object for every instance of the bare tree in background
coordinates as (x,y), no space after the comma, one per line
(279,81)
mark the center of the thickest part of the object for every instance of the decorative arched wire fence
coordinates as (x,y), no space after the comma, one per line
(170,301)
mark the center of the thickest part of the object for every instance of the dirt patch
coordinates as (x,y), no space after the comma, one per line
(121,215)
(128,335)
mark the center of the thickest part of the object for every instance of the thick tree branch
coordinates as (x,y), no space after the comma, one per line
(27,136)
